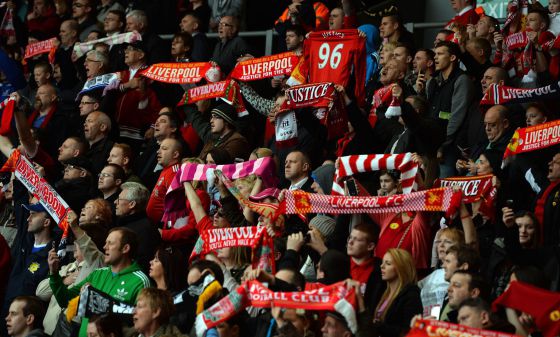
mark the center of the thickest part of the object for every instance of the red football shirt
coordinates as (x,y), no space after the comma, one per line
(335,56)
(154,210)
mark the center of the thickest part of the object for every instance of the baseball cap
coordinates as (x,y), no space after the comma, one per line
(37,207)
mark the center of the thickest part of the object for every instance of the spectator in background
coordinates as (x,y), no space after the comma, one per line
(191,24)
(155,48)
(115,23)
(49,118)
(84,13)
(43,22)
(181,47)
(465,14)
(223,8)
(105,7)
(296,170)
(295,35)
(203,12)
(299,12)
(393,30)
(96,131)
(231,46)
(69,33)
(25,317)
(121,155)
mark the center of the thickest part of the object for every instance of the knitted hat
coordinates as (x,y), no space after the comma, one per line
(226,112)
(325,225)
(324,175)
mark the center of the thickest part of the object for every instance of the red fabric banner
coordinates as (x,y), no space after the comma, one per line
(543,305)
(474,188)
(6,122)
(177,73)
(227,90)
(501,94)
(534,138)
(265,67)
(26,173)
(316,95)
(41,47)
(336,297)
(434,328)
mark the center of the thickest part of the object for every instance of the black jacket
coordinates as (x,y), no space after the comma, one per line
(98,154)
(148,237)
(406,305)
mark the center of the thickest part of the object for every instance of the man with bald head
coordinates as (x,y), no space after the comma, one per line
(201,48)
(169,156)
(96,131)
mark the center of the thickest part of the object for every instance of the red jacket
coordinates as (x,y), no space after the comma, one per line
(192,228)
(154,210)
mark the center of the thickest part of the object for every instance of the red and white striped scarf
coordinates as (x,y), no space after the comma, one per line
(384,96)
(350,165)
(433,200)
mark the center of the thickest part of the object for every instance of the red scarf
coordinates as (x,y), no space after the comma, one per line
(41,47)
(543,305)
(6,123)
(539,207)
(227,90)
(265,67)
(501,94)
(382,96)
(434,328)
(178,73)
(534,138)
(335,297)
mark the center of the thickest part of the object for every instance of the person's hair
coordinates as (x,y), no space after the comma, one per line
(128,237)
(214,268)
(454,234)
(407,47)
(542,12)
(220,156)
(240,256)
(45,65)
(305,158)
(297,29)
(262,152)
(234,22)
(247,181)
(32,305)
(389,45)
(120,14)
(465,254)
(445,31)
(73,25)
(103,210)
(126,150)
(395,17)
(503,112)
(159,299)
(406,272)
(484,44)
(477,303)
(536,225)
(174,121)
(108,324)
(452,48)
(492,20)
(476,281)
(540,107)
(138,193)
(501,74)
(177,146)
(419,103)
(99,56)
(103,118)
(174,266)
(187,41)
(394,174)
(118,172)
(297,279)
(371,231)
(82,144)
(531,275)
(140,16)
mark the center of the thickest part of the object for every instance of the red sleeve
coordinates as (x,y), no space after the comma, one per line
(360,70)
(44,159)
(421,240)
(350,21)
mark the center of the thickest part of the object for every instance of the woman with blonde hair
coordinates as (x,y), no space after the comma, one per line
(401,299)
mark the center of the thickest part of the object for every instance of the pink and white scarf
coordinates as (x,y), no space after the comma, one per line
(350,165)
(82,48)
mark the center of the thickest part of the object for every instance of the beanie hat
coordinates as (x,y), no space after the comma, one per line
(494,158)
(324,175)
(226,112)
(325,225)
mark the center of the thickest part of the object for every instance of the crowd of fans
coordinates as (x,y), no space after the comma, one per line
(112,154)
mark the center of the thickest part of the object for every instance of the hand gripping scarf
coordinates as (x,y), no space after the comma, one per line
(433,200)
(28,175)
(384,96)
(543,305)
(265,67)
(350,165)
(335,297)
(435,328)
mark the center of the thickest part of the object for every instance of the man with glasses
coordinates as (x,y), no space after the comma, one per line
(131,213)
(109,181)
(82,12)
(231,46)
(76,186)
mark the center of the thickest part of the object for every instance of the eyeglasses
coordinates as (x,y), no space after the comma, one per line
(104,175)
(72,167)
(225,24)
